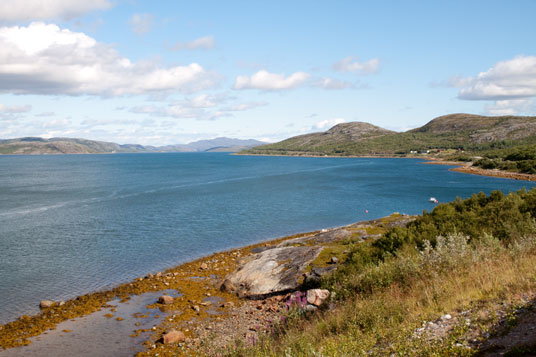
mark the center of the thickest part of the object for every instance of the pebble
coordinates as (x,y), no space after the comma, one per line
(165,299)
(173,336)
(446,317)
(46,303)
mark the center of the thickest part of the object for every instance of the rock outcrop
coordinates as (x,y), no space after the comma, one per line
(272,271)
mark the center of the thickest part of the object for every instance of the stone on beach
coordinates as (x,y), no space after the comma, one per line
(173,336)
(203,266)
(271,271)
(46,304)
(165,299)
(317,296)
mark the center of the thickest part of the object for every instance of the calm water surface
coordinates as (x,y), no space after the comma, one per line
(72,224)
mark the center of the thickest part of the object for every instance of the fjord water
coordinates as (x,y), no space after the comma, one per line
(73,224)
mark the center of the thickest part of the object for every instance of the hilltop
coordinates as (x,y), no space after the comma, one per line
(454,131)
(36,146)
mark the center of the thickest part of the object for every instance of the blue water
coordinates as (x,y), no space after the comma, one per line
(73,224)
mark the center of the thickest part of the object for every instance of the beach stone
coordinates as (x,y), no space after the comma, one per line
(272,271)
(158,275)
(46,304)
(173,336)
(165,299)
(317,296)
(203,266)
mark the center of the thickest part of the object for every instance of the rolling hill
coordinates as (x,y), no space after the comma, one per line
(466,131)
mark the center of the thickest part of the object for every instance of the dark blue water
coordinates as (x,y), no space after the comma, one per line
(72,224)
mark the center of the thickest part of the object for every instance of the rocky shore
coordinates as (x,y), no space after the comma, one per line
(228,297)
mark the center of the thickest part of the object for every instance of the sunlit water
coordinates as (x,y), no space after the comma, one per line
(72,224)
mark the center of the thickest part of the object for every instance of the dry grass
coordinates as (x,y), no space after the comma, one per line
(402,292)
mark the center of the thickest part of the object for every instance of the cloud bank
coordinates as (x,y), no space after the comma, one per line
(45,59)
(26,10)
(512,79)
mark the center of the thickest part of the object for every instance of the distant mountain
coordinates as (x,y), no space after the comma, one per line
(221,143)
(474,132)
(36,145)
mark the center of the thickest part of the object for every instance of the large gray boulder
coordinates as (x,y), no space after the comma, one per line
(272,271)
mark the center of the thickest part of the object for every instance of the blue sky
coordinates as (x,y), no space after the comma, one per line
(167,72)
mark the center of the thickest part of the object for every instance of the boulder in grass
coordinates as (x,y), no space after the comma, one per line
(173,336)
(165,299)
(273,271)
(317,296)
(44,304)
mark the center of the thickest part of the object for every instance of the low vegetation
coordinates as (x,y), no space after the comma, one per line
(464,258)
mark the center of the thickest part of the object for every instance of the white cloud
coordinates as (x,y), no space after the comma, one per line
(141,23)
(511,107)
(245,106)
(511,79)
(270,81)
(201,107)
(56,124)
(45,59)
(206,42)
(351,64)
(14,109)
(26,10)
(179,112)
(203,101)
(328,123)
(330,83)
(45,114)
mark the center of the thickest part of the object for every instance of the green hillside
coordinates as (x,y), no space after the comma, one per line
(469,132)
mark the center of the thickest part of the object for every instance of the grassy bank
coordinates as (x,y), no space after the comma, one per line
(473,259)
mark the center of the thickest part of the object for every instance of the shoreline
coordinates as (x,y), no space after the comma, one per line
(195,283)
(193,279)
(463,167)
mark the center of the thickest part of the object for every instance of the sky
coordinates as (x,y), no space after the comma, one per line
(172,72)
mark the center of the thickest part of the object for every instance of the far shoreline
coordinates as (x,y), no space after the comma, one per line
(462,167)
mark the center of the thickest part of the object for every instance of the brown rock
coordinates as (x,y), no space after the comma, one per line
(203,266)
(46,304)
(173,336)
(165,299)
(317,296)
(158,275)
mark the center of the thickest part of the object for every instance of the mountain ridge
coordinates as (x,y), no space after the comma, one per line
(60,145)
